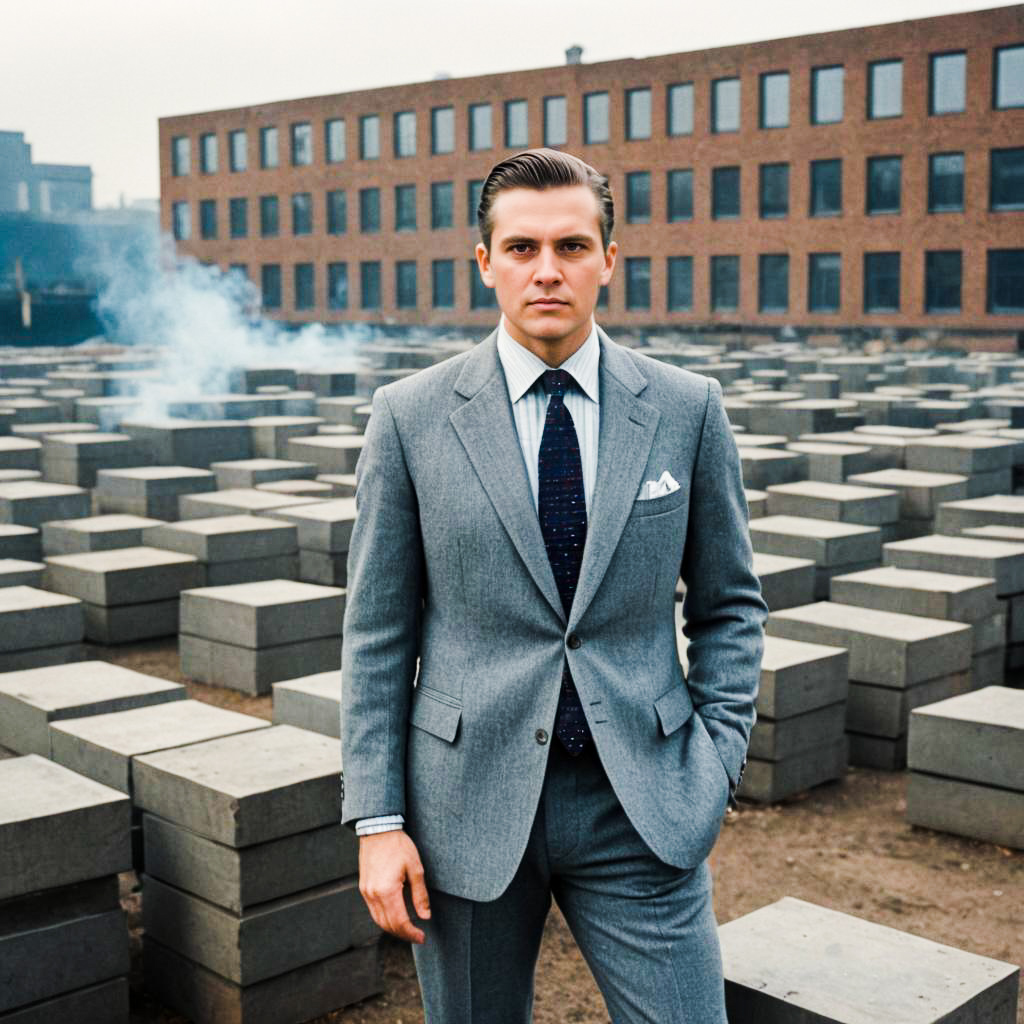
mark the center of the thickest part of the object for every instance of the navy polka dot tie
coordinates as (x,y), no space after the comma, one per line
(562,508)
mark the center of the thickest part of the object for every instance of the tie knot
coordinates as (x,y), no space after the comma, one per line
(557,382)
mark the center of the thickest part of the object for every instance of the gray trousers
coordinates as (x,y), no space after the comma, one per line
(646,929)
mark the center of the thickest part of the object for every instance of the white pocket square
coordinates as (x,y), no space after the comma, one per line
(665,484)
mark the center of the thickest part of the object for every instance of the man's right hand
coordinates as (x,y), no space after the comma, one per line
(386,861)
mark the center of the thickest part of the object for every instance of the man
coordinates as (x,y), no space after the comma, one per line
(525,511)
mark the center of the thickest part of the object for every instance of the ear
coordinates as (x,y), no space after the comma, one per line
(609,262)
(483,261)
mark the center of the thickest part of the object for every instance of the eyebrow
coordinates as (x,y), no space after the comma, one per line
(521,239)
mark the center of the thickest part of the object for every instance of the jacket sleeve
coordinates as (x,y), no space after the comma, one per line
(723,609)
(380,639)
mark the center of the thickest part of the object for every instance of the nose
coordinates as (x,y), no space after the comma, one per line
(547,270)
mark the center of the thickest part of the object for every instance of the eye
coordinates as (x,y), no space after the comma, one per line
(574,246)
(520,248)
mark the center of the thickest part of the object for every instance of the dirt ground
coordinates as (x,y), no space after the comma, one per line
(842,845)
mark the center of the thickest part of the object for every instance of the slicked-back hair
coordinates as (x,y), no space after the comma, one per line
(540,169)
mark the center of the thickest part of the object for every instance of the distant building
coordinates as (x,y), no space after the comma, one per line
(26,187)
(869,178)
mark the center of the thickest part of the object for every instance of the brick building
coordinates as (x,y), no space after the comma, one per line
(871,177)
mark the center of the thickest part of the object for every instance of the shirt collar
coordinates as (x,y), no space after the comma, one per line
(522,368)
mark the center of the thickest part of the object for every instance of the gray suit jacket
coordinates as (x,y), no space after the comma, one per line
(447,564)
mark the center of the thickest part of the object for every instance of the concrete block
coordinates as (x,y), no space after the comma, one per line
(229,538)
(963,556)
(124,575)
(17,573)
(330,453)
(250,472)
(757,503)
(328,382)
(32,699)
(343,484)
(185,442)
(998,482)
(987,668)
(150,490)
(325,526)
(240,501)
(310,702)
(833,463)
(95,533)
(970,809)
(299,489)
(965,454)
(328,570)
(769,781)
(37,657)
(102,747)
(777,739)
(797,677)
(953,517)
(129,623)
(33,502)
(74,458)
(764,466)
(105,1003)
(19,453)
(270,434)
(253,570)
(31,618)
(20,542)
(825,543)
(886,648)
(10,476)
(237,879)
(841,503)
(340,409)
(795,962)
(57,828)
(885,711)
(880,752)
(1014,534)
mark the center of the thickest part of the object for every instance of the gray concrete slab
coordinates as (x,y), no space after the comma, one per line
(764,466)
(20,453)
(124,575)
(38,657)
(880,752)
(988,668)
(94,533)
(833,463)
(34,502)
(331,453)
(795,962)
(102,747)
(328,382)
(250,472)
(129,623)
(965,454)
(785,582)
(253,570)
(825,543)
(965,556)
(32,699)
(31,618)
(963,808)
(329,570)
(777,739)
(797,677)
(884,711)
(299,488)
(340,409)
(309,702)
(237,879)
(20,542)
(841,503)
(343,484)
(757,503)
(270,434)
(953,517)
(104,1003)
(57,828)
(325,526)
(769,781)
(998,482)
(227,538)
(147,482)
(239,501)
(186,442)
(14,572)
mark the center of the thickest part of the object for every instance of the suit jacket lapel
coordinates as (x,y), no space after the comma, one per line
(488,433)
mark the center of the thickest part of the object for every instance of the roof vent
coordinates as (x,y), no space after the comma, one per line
(574,55)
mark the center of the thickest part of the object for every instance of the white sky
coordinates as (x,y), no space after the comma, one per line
(86,80)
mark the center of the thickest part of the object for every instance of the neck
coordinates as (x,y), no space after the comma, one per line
(553,351)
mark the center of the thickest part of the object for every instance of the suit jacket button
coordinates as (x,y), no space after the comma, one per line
(574,641)
(541,736)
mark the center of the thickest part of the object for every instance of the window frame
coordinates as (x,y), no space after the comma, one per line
(933,59)
(871,87)
(762,82)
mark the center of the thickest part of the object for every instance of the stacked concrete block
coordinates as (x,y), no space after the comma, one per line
(318,489)
(33,699)
(966,760)
(799,416)
(310,702)
(994,510)
(921,494)
(764,466)
(40,431)
(150,491)
(799,738)
(325,531)
(16,572)
(250,472)
(236,501)
(10,476)
(833,547)
(328,382)
(21,542)
(94,533)
(785,582)
(234,548)
(757,502)
(331,453)
(183,442)
(897,662)
(339,410)
(32,410)
(839,503)
(127,594)
(937,595)
(833,463)
(38,628)
(107,412)
(243,846)
(33,502)
(269,435)
(76,458)
(987,462)
(250,635)
(361,417)
(887,451)
(793,962)
(64,946)
(64,399)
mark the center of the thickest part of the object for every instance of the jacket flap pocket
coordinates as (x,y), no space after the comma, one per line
(434,714)
(674,708)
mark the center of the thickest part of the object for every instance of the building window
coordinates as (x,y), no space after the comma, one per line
(207,218)
(638,283)
(305,292)
(334,140)
(405,207)
(181,155)
(270,221)
(302,144)
(725,193)
(1006,281)
(773,282)
(238,217)
(442,130)
(302,213)
(725,284)
(369,284)
(337,286)
(238,151)
(442,284)
(442,204)
(517,133)
(885,89)
(404,132)
(369,137)
(480,296)
(881,282)
(1006,181)
(883,184)
(827,95)
(337,212)
(679,190)
(473,190)
(680,284)
(775,100)
(774,191)
(826,188)
(638,197)
(480,126)
(181,221)
(942,276)
(208,153)
(268,147)
(679,109)
(638,113)
(1008,78)
(270,285)
(947,83)
(239,270)
(595,117)
(945,182)
(369,210)
(725,105)
(823,282)
(405,284)
(556,121)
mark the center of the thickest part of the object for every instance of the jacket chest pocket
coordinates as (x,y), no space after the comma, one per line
(436,713)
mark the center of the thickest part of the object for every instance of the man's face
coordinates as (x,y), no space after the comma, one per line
(546,262)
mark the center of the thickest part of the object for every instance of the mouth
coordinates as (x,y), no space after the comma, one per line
(548,303)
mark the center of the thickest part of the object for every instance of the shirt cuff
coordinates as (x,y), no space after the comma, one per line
(384,823)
